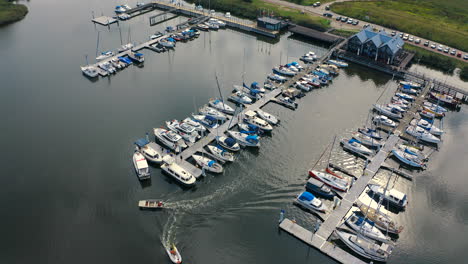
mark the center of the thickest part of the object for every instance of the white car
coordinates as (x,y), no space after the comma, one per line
(228,14)
(417,41)
(411,39)
(433,46)
(440,48)
(465,57)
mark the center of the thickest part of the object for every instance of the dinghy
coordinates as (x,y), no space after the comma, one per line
(355,146)
(220,153)
(427,126)
(330,180)
(208,164)
(381,220)
(245,139)
(408,158)
(141,166)
(174,254)
(366,247)
(309,202)
(421,134)
(150,204)
(366,228)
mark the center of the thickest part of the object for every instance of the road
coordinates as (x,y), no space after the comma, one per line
(343,25)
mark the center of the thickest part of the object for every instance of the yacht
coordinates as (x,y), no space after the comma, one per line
(309,202)
(267,117)
(207,121)
(366,228)
(141,166)
(368,141)
(240,97)
(221,106)
(105,55)
(392,196)
(149,150)
(330,180)
(90,71)
(429,127)
(220,153)
(228,143)
(355,146)
(125,47)
(178,173)
(250,117)
(383,120)
(244,139)
(209,111)
(198,127)
(366,247)
(276,77)
(421,134)
(186,131)
(208,164)
(170,139)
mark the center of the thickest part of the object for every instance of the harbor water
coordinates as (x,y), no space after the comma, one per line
(70,193)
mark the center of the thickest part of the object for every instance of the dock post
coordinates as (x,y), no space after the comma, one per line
(281,216)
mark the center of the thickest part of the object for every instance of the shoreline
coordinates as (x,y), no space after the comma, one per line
(11,13)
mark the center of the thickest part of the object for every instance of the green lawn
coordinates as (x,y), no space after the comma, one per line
(251,9)
(344,32)
(308,2)
(444,21)
(10,13)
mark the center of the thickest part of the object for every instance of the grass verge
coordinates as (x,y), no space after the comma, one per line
(10,12)
(344,32)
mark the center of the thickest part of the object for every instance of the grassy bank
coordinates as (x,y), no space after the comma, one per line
(10,13)
(444,21)
(251,9)
(308,2)
(343,32)
(438,61)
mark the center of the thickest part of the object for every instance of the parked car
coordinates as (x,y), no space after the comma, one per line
(327,14)
(426,43)
(410,39)
(338,18)
(350,21)
(417,41)
(433,46)
(459,55)
(453,52)
(465,57)
(446,50)
(401,35)
(405,37)
(327,8)
(344,19)
(393,33)
(355,22)
(440,48)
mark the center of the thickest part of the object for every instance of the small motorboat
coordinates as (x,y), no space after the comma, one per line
(269,85)
(203,27)
(228,143)
(338,63)
(427,126)
(117,64)
(245,139)
(396,99)
(212,26)
(125,47)
(276,77)
(309,202)
(408,90)
(315,186)
(124,16)
(405,96)
(208,164)
(198,127)
(366,228)
(392,196)
(367,248)
(105,55)
(218,22)
(400,103)
(253,94)
(221,106)
(136,57)
(267,117)
(249,129)
(426,115)
(421,134)
(355,146)
(169,138)
(303,85)
(288,102)
(250,117)
(368,141)
(387,111)
(177,172)
(384,121)
(240,97)
(186,131)
(209,111)
(107,67)
(308,59)
(207,121)
(408,158)
(150,204)
(381,220)
(141,166)
(166,43)
(156,35)
(174,254)
(149,150)
(370,133)
(220,153)
(335,183)
(332,69)
(90,71)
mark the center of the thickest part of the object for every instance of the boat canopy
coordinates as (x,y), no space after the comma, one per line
(210,118)
(294,63)
(142,142)
(254,84)
(361,220)
(410,152)
(171,39)
(139,54)
(230,141)
(252,138)
(211,163)
(406,86)
(254,91)
(306,196)
(354,140)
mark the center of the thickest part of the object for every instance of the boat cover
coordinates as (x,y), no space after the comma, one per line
(306,196)
(361,220)
(251,138)
(230,141)
(294,63)
(142,142)
(406,86)
(139,54)
(254,84)
(211,163)
(210,118)
(410,152)
(354,140)
(171,39)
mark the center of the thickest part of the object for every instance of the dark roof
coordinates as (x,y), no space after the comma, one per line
(380,39)
(269,20)
(312,33)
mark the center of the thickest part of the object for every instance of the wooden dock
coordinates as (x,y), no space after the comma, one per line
(104,20)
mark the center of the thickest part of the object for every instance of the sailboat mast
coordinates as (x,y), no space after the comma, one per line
(331,149)
(97,44)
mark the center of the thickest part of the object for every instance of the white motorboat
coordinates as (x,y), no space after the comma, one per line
(198,127)
(208,164)
(427,126)
(333,69)
(105,55)
(288,102)
(308,59)
(422,134)
(209,111)
(170,139)
(276,77)
(267,117)
(174,254)
(220,153)
(240,97)
(392,196)
(284,71)
(333,182)
(107,67)
(389,112)
(244,139)
(366,247)
(150,204)
(383,120)
(398,100)
(125,47)
(368,141)
(269,85)
(228,143)
(412,150)
(309,202)
(250,117)
(366,228)
(149,150)
(177,172)
(212,26)
(120,9)
(207,121)
(221,106)
(166,43)
(303,86)
(408,91)
(186,131)
(217,22)
(141,166)
(355,146)
(90,71)
(117,64)
(338,63)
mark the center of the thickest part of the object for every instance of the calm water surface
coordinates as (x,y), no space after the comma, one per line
(69,191)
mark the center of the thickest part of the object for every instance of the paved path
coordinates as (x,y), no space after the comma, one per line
(343,25)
